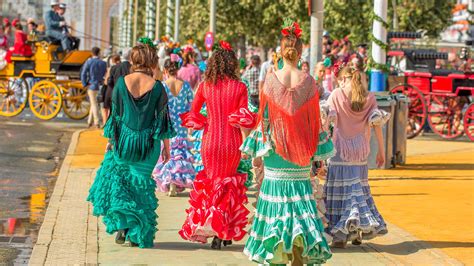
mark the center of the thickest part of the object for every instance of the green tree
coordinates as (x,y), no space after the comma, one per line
(353,17)
(258,22)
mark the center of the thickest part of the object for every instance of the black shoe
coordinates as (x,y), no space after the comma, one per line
(120,237)
(358,240)
(227,243)
(133,244)
(216,243)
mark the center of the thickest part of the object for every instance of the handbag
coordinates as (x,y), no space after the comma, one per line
(101,94)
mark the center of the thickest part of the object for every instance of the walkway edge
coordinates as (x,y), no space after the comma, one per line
(40,250)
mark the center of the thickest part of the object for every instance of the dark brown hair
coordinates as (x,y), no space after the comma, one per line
(291,48)
(143,58)
(171,67)
(222,64)
(115,59)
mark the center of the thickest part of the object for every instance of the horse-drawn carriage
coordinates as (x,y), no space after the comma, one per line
(442,98)
(48,81)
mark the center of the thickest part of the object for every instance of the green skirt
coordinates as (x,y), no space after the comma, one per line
(123,193)
(286,217)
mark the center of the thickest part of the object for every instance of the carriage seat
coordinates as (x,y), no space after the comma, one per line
(19,57)
(51,40)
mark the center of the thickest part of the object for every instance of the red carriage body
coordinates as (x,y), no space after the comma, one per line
(441,97)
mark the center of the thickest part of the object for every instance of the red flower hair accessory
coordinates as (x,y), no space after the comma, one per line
(225,45)
(337,67)
(291,27)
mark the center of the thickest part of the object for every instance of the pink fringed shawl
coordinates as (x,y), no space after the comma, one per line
(352,132)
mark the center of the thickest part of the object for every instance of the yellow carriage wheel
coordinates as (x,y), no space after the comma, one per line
(45,100)
(13,96)
(75,102)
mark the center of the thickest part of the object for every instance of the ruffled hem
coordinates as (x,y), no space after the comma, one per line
(217,208)
(193,120)
(274,250)
(378,117)
(245,167)
(242,118)
(349,204)
(325,148)
(286,216)
(126,201)
(254,145)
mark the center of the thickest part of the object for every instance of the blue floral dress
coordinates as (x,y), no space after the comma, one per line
(179,169)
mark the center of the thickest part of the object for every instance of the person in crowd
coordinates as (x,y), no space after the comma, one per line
(178,173)
(286,226)
(346,50)
(320,76)
(20,47)
(123,191)
(119,70)
(351,210)
(106,94)
(92,77)
(218,199)
(7,31)
(33,33)
(266,66)
(252,75)
(55,26)
(65,29)
(3,39)
(189,72)
(362,52)
(3,48)
(305,67)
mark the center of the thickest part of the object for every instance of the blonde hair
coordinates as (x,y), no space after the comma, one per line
(359,91)
(291,48)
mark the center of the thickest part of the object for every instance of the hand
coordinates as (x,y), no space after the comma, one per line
(244,156)
(380,159)
(165,155)
(62,23)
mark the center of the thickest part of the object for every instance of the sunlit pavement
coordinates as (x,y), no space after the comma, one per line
(432,196)
(427,204)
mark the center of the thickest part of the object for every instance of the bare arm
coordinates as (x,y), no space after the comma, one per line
(381,149)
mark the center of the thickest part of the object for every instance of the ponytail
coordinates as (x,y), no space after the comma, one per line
(359,90)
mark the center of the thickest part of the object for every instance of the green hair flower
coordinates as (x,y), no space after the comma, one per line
(147,41)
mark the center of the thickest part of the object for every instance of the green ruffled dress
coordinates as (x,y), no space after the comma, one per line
(286,214)
(123,191)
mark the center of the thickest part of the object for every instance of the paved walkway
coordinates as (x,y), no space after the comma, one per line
(71,235)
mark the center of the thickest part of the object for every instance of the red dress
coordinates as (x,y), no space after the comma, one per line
(218,198)
(20,47)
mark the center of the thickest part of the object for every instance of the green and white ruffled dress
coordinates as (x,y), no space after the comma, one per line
(286,213)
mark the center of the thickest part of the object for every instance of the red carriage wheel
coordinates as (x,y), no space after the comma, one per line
(468,122)
(445,115)
(416,110)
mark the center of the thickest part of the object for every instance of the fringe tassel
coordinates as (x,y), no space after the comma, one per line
(355,149)
(295,135)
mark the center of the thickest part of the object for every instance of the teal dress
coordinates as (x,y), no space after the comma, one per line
(286,215)
(123,191)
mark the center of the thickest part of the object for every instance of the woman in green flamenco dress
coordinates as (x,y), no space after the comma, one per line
(123,191)
(286,226)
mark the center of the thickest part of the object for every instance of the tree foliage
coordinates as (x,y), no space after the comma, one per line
(258,22)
